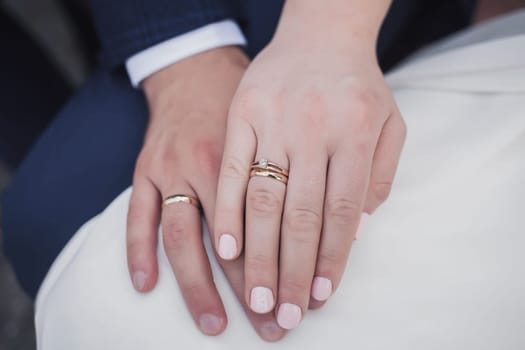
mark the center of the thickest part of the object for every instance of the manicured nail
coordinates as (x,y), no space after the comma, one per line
(227,247)
(261,300)
(139,280)
(270,331)
(362,225)
(289,316)
(321,288)
(210,324)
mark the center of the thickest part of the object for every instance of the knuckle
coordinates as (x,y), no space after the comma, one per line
(136,212)
(175,235)
(303,219)
(343,211)
(330,257)
(294,285)
(258,263)
(207,156)
(264,203)
(233,168)
(134,246)
(165,156)
(366,98)
(362,99)
(196,289)
(247,101)
(314,109)
(364,122)
(363,107)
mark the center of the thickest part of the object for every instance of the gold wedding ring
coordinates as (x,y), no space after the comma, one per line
(270,174)
(266,168)
(181,198)
(264,164)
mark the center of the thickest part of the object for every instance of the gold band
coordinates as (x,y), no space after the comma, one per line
(267,165)
(268,173)
(181,198)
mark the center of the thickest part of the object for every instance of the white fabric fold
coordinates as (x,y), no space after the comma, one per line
(484,67)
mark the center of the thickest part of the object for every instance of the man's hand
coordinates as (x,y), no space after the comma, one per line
(315,102)
(188,104)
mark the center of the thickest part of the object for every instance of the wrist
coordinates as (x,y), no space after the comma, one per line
(181,75)
(337,23)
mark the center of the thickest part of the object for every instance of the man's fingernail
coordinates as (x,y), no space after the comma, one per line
(139,280)
(270,331)
(362,225)
(321,288)
(227,247)
(210,324)
(261,300)
(289,316)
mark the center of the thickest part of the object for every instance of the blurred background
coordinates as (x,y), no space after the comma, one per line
(49,30)
(61,34)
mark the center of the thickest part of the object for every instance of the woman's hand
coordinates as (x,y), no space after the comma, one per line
(315,103)
(182,152)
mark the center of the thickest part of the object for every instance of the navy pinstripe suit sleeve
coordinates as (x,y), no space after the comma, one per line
(126,27)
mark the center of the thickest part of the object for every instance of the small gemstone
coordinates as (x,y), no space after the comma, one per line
(263,162)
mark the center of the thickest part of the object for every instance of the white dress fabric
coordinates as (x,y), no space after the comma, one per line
(441,265)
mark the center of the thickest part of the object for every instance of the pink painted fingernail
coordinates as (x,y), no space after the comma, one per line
(289,316)
(261,300)
(227,247)
(321,288)
(139,280)
(362,225)
(210,324)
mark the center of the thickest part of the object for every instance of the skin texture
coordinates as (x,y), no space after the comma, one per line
(182,151)
(315,102)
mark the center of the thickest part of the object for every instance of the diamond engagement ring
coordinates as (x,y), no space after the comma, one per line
(266,168)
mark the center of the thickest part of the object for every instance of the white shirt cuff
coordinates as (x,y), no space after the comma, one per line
(145,63)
